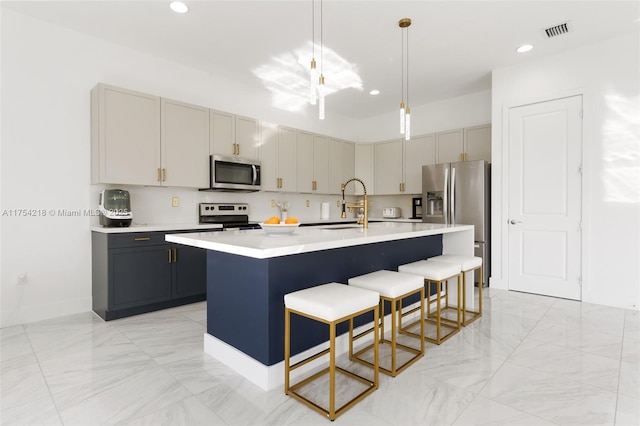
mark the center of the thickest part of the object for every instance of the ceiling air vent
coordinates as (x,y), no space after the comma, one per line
(557,30)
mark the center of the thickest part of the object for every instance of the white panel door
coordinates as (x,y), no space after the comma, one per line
(545,150)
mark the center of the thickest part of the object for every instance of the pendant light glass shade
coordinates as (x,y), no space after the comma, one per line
(321,97)
(313,83)
(407,118)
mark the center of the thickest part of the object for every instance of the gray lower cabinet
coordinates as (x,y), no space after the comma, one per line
(134,273)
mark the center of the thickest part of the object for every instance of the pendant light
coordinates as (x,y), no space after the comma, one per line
(405,111)
(321,88)
(313,75)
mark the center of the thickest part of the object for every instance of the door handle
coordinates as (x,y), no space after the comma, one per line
(513,222)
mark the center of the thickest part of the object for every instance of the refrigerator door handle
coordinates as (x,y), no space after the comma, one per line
(445,204)
(453,195)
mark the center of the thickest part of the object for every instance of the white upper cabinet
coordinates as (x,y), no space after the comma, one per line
(364,166)
(125,136)
(477,143)
(304,156)
(388,167)
(223,133)
(320,164)
(185,144)
(341,165)
(278,158)
(418,151)
(471,143)
(450,146)
(139,139)
(313,163)
(247,137)
(234,135)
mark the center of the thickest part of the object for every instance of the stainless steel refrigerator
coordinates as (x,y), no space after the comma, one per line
(458,193)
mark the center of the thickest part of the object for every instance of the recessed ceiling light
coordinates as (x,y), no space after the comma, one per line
(178,7)
(374,92)
(524,48)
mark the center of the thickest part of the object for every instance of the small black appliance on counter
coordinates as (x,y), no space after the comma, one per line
(416,208)
(115,208)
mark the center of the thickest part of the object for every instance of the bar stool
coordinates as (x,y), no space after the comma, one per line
(330,304)
(438,273)
(467,264)
(393,287)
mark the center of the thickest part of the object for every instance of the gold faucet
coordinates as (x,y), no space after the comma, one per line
(364,221)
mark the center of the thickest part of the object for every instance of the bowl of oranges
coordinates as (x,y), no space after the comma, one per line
(274,226)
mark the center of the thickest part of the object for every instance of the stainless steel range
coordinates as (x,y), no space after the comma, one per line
(232,216)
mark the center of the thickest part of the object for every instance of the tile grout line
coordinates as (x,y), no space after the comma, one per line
(35,354)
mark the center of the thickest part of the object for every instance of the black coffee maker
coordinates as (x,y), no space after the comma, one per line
(416,208)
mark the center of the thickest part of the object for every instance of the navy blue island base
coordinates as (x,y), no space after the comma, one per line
(245,295)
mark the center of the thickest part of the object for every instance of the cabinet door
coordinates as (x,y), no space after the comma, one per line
(223,133)
(449,146)
(125,136)
(247,137)
(477,143)
(348,166)
(336,168)
(287,156)
(304,154)
(185,144)
(364,165)
(388,167)
(418,151)
(189,271)
(269,157)
(321,164)
(139,276)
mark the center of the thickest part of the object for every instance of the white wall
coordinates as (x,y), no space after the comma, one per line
(47,75)
(607,75)
(454,113)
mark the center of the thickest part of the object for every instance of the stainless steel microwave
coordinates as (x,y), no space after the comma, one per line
(229,173)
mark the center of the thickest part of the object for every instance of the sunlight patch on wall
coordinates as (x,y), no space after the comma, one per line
(286,76)
(621,149)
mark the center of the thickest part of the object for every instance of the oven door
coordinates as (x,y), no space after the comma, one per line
(234,174)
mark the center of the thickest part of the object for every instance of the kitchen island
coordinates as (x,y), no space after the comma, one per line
(249,272)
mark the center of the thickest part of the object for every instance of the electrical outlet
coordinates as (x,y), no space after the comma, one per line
(307,203)
(338,203)
(273,203)
(175,202)
(22,279)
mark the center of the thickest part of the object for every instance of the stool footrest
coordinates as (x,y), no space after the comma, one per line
(417,355)
(308,359)
(292,391)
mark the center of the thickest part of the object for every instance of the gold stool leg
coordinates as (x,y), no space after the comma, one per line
(332,371)
(287,348)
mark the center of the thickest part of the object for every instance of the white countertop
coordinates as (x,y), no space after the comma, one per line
(155,227)
(257,244)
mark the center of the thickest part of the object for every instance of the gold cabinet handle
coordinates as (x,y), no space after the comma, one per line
(164,175)
(238,148)
(169,255)
(142,239)
(175,255)
(159,175)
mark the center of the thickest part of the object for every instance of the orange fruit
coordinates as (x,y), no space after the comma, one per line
(273,220)
(291,220)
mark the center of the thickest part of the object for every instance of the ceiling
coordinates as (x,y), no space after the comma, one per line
(266,45)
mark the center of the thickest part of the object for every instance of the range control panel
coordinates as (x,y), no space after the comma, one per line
(220,209)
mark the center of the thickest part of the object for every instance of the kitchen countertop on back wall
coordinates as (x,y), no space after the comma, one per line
(151,227)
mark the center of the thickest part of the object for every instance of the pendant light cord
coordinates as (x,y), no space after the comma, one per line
(407,66)
(321,43)
(313,28)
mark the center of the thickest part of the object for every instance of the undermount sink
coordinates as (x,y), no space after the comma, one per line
(342,227)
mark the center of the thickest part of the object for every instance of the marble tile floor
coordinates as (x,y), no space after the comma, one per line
(530,360)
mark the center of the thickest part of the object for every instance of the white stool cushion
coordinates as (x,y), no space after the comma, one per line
(389,284)
(331,301)
(436,271)
(467,263)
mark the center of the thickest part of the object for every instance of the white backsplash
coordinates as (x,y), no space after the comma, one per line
(152,205)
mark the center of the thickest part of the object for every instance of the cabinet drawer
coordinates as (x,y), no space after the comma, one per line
(136,239)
